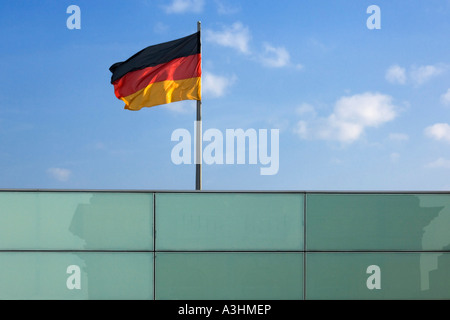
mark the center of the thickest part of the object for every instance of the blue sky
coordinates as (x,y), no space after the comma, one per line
(356,108)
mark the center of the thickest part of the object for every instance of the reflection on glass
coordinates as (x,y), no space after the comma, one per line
(215,276)
(374,275)
(76,220)
(399,242)
(436,236)
(229,221)
(76,276)
(115,221)
(370,222)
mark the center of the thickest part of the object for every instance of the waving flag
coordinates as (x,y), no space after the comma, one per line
(160,74)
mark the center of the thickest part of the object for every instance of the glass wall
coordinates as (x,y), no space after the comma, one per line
(224,245)
(76,221)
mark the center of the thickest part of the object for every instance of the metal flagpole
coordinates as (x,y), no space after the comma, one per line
(198,151)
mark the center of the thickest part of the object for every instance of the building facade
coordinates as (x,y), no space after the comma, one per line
(224,245)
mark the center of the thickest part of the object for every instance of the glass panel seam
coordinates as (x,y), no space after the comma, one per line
(154,246)
(304,245)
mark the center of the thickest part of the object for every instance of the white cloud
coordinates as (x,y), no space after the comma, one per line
(398,137)
(445,98)
(182,6)
(226,8)
(340,129)
(438,131)
(237,36)
(160,28)
(306,109)
(59,174)
(416,75)
(396,74)
(350,117)
(181,107)
(275,57)
(302,129)
(98,145)
(439,163)
(394,156)
(367,109)
(336,161)
(422,74)
(214,85)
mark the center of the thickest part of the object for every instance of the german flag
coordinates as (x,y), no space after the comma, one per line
(160,74)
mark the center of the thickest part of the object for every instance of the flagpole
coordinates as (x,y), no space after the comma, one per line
(198,151)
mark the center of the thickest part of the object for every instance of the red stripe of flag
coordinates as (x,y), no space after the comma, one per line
(177,69)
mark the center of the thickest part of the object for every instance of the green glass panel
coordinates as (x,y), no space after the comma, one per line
(76,220)
(229,221)
(225,276)
(389,275)
(377,221)
(75,275)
